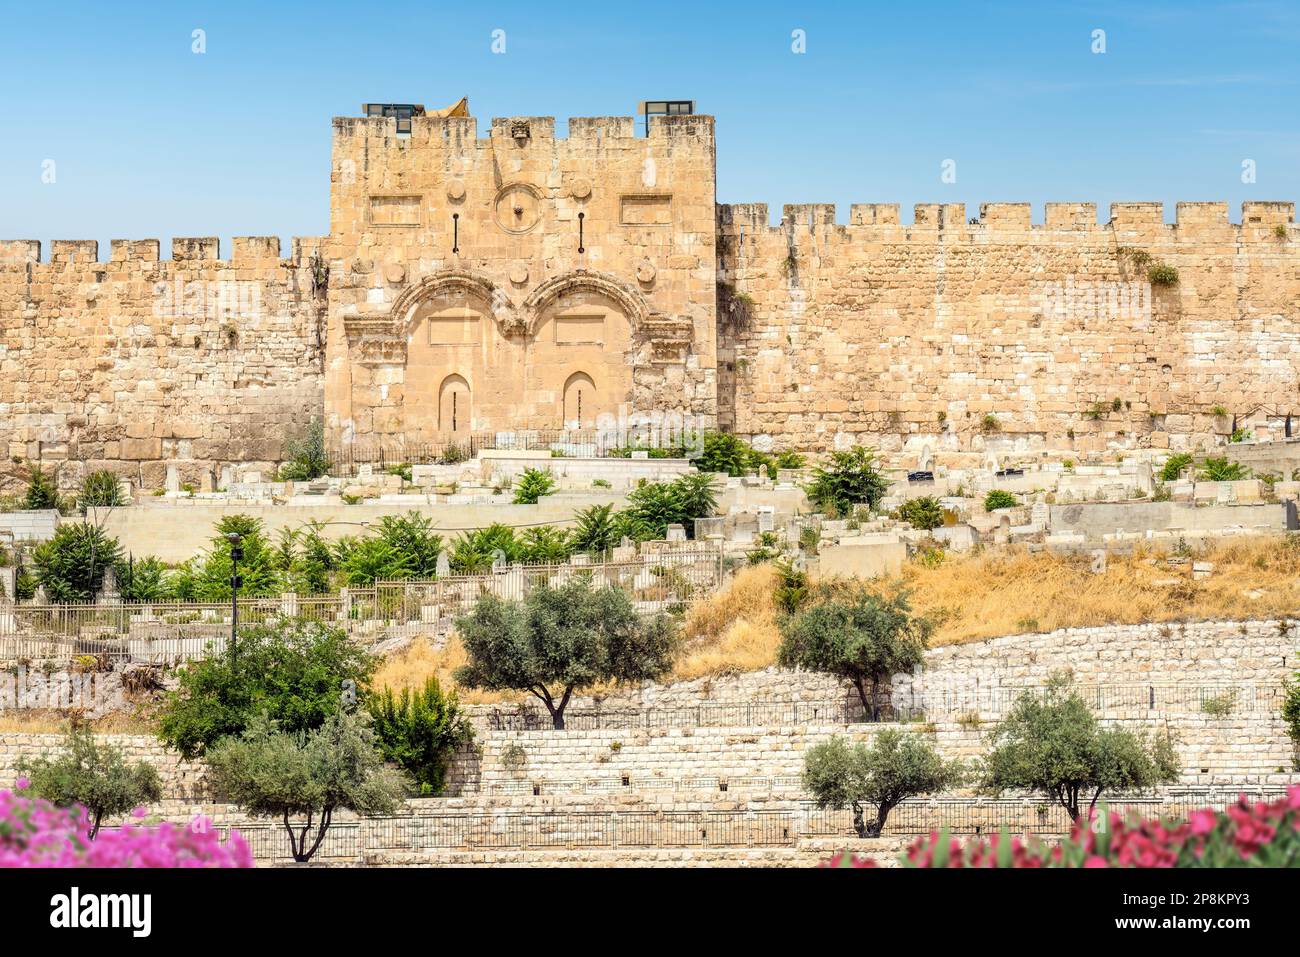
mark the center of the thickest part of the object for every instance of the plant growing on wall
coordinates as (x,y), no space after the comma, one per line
(1291,712)
(1162,274)
(560,640)
(858,635)
(304,778)
(419,731)
(897,765)
(532,485)
(1053,744)
(94,775)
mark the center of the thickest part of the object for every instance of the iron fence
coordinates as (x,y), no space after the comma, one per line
(513,830)
(168,632)
(1220,697)
(655,581)
(720,713)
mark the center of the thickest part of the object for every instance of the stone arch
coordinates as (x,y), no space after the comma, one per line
(455,406)
(476,291)
(580,402)
(628,299)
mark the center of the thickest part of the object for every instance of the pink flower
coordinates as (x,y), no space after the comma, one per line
(1203,821)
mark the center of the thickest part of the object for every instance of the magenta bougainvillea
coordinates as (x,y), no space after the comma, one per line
(1247,834)
(36,833)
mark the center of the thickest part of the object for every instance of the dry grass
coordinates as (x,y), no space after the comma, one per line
(1011,593)
(53,722)
(969,597)
(978,596)
(732,631)
(412,666)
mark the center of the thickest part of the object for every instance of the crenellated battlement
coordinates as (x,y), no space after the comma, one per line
(1258,220)
(185,252)
(461,131)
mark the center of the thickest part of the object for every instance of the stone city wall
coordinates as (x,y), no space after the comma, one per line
(878,331)
(136,360)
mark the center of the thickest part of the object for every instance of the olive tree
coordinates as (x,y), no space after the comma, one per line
(1052,743)
(92,774)
(303,778)
(559,640)
(896,766)
(856,634)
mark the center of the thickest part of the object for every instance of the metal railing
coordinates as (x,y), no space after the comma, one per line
(173,631)
(1218,697)
(555,830)
(711,714)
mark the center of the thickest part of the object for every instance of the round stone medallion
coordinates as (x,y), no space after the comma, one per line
(455,191)
(580,188)
(518,208)
(646,271)
(394,272)
(519,274)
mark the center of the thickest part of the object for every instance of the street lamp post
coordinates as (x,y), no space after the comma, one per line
(236,553)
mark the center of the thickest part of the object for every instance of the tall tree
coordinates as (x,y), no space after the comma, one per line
(896,766)
(856,634)
(1053,744)
(560,640)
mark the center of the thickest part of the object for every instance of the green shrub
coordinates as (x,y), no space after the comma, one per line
(725,453)
(850,478)
(545,543)
(42,491)
(998,498)
(101,489)
(924,513)
(207,577)
(307,457)
(990,423)
(298,672)
(1221,470)
(145,579)
(594,530)
(1174,465)
(1291,709)
(420,731)
(96,775)
(532,485)
(71,565)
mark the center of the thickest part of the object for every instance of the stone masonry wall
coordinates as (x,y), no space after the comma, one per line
(133,361)
(878,331)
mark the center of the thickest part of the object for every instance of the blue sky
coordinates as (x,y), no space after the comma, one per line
(152,140)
